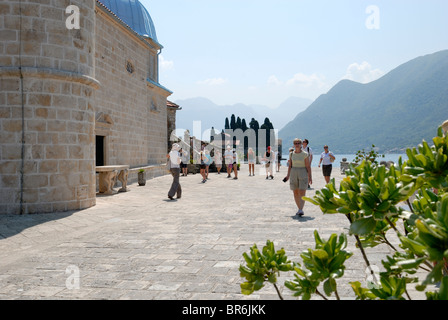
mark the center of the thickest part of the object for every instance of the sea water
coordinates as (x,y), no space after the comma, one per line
(350,157)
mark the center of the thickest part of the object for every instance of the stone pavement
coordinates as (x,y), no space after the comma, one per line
(141,245)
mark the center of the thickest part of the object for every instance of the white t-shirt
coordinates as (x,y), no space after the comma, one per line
(326,160)
(308,150)
(185,156)
(228,155)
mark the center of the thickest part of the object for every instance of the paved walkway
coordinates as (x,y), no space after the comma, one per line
(141,245)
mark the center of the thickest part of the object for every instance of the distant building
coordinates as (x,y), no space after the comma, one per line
(74,98)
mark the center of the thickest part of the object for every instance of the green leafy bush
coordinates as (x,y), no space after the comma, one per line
(263,266)
(372,198)
(324,265)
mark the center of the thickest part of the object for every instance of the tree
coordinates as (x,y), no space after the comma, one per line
(232,122)
(244,125)
(268,126)
(238,124)
(253,124)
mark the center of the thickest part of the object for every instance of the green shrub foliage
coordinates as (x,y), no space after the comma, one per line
(409,198)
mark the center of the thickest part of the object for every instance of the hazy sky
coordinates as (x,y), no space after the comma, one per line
(262,52)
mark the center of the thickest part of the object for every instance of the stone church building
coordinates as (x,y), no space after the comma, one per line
(79,88)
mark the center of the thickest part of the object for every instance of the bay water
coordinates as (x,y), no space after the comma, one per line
(350,157)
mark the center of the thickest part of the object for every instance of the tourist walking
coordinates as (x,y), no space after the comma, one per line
(228,157)
(185,160)
(202,166)
(235,164)
(208,162)
(326,159)
(279,160)
(307,149)
(175,160)
(251,161)
(269,158)
(299,174)
(218,160)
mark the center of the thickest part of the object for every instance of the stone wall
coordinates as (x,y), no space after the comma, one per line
(46,114)
(136,108)
(61,87)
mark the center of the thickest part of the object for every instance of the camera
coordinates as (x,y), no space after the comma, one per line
(285,179)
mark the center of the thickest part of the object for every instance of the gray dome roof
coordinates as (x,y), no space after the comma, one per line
(134,14)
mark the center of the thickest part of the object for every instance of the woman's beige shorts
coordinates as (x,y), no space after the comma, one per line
(298,179)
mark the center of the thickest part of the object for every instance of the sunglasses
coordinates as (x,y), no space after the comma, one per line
(297,143)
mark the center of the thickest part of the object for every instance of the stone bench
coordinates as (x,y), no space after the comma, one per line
(108,176)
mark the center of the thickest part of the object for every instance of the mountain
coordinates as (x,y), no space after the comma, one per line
(287,110)
(212,115)
(397,111)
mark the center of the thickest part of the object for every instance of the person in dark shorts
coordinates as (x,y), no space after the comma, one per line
(326,159)
(202,166)
(185,156)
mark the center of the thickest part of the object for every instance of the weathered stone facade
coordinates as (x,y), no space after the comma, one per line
(60,88)
(126,67)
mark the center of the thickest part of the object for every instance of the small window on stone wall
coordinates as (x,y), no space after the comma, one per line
(129,67)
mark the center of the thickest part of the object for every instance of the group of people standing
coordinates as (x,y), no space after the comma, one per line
(299,167)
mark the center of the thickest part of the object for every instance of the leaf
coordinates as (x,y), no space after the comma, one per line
(247,288)
(272,278)
(317,239)
(329,286)
(384,206)
(320,254)
(411,264)
(247,258)
(259,283)
(363,226)
(443,293)
(413,245)
(442,211)
(312,200)
(361,293)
